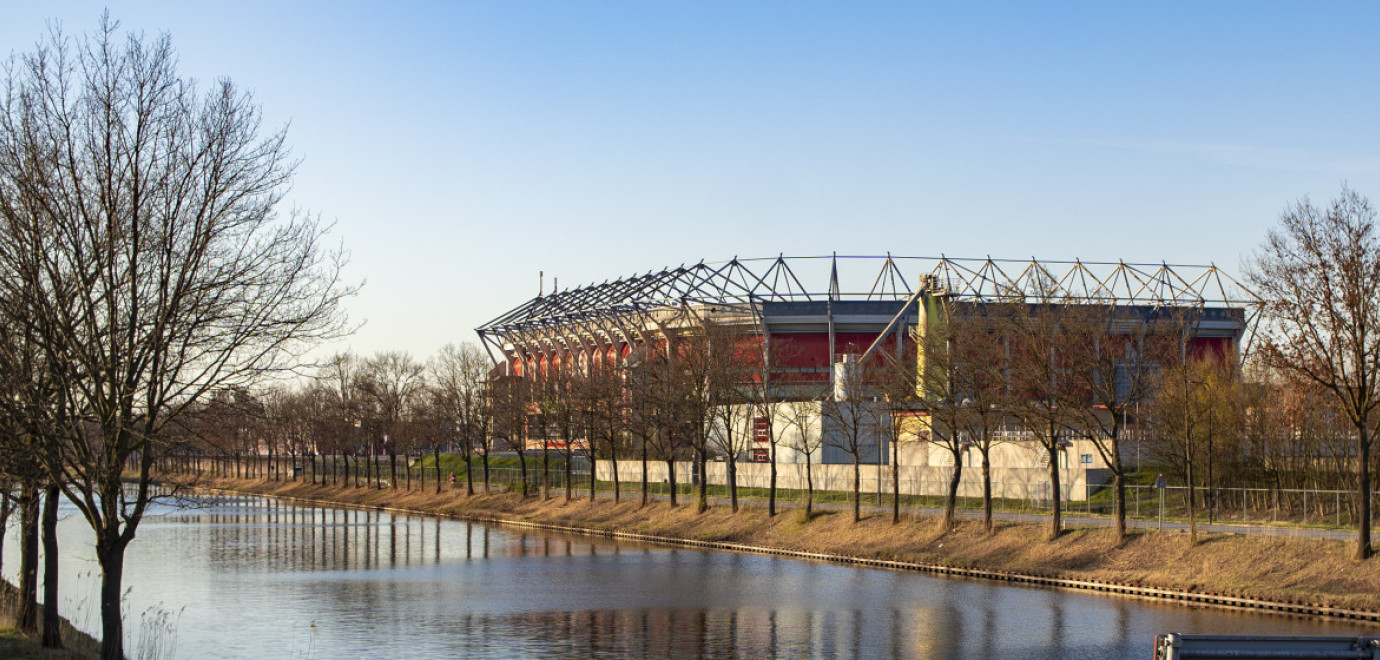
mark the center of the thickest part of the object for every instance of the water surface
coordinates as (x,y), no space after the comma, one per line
(240,577)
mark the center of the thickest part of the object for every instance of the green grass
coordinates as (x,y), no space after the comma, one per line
(456,463)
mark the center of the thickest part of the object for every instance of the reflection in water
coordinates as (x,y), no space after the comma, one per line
(255,577)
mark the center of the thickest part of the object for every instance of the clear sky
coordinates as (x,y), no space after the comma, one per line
(461,147)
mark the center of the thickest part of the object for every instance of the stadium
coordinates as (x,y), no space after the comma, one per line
(837,310)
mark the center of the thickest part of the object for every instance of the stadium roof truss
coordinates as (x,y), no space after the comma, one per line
(627,310)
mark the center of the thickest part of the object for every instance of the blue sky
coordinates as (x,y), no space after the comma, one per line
(461,147)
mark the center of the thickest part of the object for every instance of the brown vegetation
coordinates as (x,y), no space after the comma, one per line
(17,646)
(1279,569)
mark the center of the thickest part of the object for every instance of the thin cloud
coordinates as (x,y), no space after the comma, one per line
(1238,155)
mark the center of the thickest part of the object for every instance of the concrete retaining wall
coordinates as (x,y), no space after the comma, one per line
(1012,483)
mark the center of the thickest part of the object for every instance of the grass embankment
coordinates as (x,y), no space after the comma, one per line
(1268,568)
(14,644)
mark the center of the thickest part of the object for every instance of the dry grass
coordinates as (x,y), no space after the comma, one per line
(1271,568)
(14,644)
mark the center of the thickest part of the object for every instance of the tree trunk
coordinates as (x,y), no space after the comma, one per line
(1192,510)
(951,500)
(52,624)
(671,477)
(702,457)
(771,491)
(644,471)
(1363,547)
(809,486)
(436,456)
(26,618)
(1119,483)
(469,473)
(857,487)
(110,552)
(485,461)
(569,472)
(613,463)
(6,504)
(731,465)
(1056,521)
(545,470)
(522,461)
(895,482)
(987,491)
(593,473)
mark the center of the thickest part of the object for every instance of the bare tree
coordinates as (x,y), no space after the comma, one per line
(801,420)
(32,421)
(1318,278)
(942,384)
(765,393)
(691,377)
(511,405)
(140,223)
(1116,354)
(981,357)
(7,508)
(1179,417)
(565,415)
(669,396)
(642,414)
(734,363)
(852,422)
(1044,393)
(607,396)
(391,383)
(460,373)
(896,382)
(284,429)
(340,375)
(338,380)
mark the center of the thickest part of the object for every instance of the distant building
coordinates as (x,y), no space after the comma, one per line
(861,305)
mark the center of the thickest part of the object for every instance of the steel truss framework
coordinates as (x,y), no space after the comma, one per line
(628,311)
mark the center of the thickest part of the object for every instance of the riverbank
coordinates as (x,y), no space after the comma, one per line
(1303,576)
(14,644)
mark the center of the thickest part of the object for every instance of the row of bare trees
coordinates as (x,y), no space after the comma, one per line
(352,419)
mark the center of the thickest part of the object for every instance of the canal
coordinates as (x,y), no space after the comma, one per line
(240,577)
